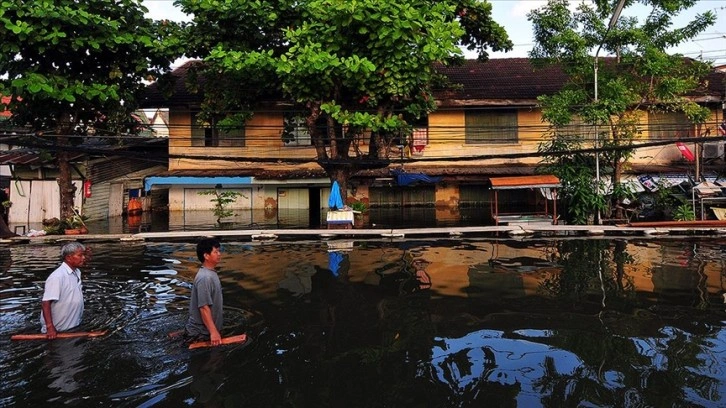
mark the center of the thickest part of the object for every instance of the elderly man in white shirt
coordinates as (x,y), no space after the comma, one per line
(62,304)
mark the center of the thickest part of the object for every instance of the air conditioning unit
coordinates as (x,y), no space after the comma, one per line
(713,150)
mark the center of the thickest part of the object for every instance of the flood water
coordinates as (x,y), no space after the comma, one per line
(404,217)
(409,323)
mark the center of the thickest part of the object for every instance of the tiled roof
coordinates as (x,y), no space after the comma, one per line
(180,95)
(502,79)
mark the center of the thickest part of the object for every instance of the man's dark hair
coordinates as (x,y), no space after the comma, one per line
(206,246)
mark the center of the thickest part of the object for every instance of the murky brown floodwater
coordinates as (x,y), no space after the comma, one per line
(465,322)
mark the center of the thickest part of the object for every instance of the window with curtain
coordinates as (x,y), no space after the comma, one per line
(669,125)
(491,126)
(212,134)
(578,127)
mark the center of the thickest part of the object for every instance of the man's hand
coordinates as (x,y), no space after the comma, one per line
(50,333)
(214,337)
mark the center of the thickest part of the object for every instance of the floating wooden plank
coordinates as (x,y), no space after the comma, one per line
(225,340)
(65,335)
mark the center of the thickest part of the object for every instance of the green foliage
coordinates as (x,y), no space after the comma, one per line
(73,65)
(684,212)
(664,200)
(345,65)
(359,206)
(643,76)
(74,69)
(221,201)
(55,226)
(576,172)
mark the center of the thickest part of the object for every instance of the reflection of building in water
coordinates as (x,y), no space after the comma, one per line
(298,280)
(469,268)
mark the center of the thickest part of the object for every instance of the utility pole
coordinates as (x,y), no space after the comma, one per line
(613,21)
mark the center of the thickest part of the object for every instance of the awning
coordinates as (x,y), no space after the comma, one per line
(159,181)
(521,182)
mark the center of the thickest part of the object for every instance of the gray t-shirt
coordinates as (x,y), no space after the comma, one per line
(65,291)
(207,291)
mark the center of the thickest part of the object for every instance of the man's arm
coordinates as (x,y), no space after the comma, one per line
(48,317)
(214,336)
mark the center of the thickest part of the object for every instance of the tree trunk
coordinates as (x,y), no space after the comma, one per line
(310,122)
(65,184)
(341,175)
(617,175)
(5,230)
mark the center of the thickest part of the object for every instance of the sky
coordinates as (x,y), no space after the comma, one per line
(512,14)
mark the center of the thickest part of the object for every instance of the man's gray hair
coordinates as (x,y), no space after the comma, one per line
(71,248)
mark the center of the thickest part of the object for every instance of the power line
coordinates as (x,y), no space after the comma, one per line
(163,157)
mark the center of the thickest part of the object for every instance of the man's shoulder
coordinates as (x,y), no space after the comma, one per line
(205,273)
(59,272)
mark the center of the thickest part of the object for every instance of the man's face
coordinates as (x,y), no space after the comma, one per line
(76,259)
(213,257)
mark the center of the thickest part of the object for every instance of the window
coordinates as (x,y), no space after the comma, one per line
(491,126)
(669,125)
(295,131)
(216,135)
(578,127)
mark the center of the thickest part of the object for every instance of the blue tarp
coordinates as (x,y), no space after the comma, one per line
(335,201)
(405,179)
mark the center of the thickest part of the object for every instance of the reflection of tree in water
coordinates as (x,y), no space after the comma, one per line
(470,378)
(637,360)
(590,268)
(618,371)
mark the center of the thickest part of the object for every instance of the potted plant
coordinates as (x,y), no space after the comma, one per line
(684,212)
(360,213)
(74,225)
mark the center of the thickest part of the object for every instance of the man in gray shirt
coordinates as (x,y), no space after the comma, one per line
(205,306)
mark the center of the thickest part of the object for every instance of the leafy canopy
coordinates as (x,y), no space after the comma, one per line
(363,64)
(638,73)
(67,63)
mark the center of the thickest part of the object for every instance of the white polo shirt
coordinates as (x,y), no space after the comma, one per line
(64,288)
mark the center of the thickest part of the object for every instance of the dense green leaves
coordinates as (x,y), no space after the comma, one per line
(640,74)
(364,64)
(76,60)
(73,68)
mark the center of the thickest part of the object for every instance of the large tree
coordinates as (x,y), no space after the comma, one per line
(354,69)
(74,69)
(638,74)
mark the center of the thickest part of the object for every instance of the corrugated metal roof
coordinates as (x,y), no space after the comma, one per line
(30,157)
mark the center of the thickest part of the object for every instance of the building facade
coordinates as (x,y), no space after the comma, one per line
(488,125)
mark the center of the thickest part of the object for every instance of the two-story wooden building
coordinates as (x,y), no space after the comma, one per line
(488,125)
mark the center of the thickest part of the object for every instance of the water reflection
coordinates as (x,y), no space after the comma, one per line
(467,322)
